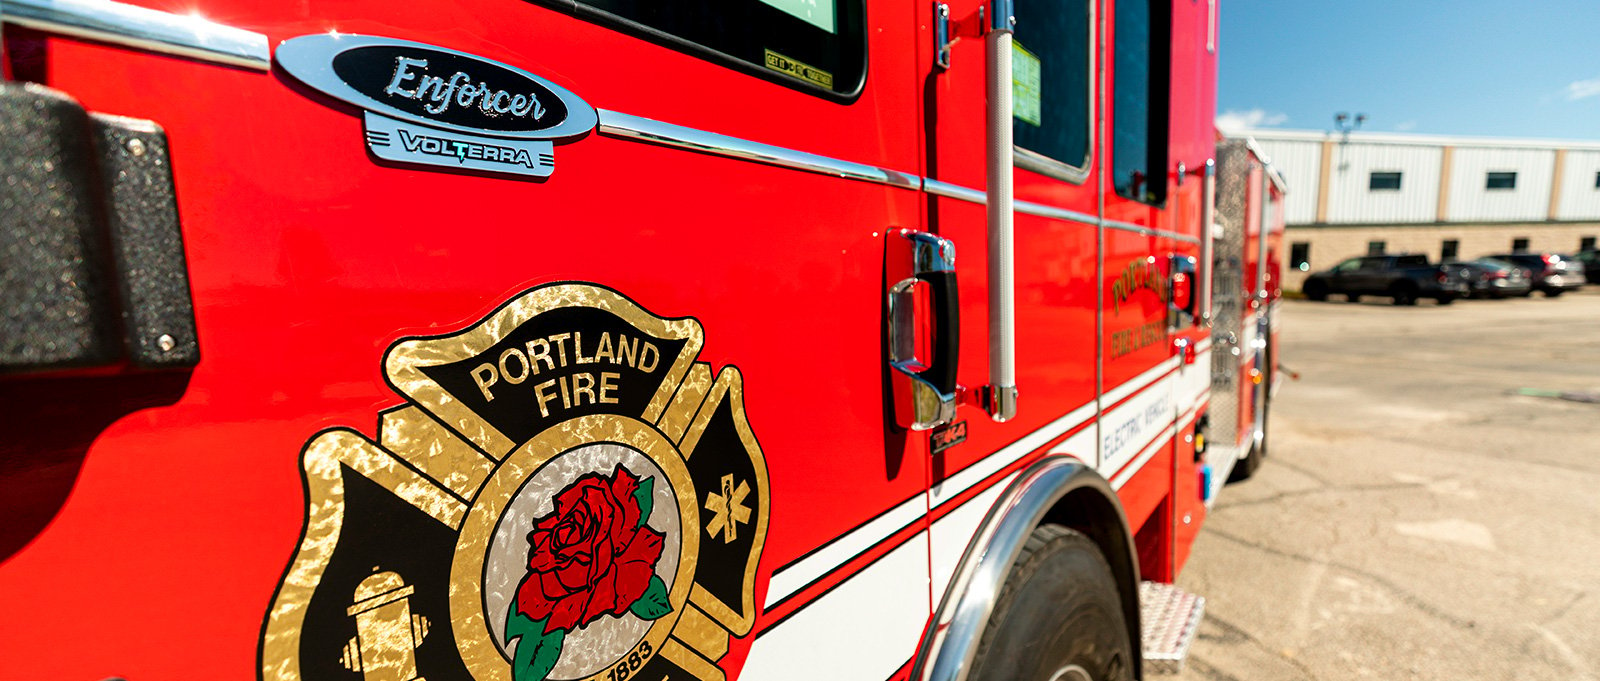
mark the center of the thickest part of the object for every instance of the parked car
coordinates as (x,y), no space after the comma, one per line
(1405,278)
(1553,273)
(1591,265)
(1491,278)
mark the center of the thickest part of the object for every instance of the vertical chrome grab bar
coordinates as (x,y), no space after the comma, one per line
(1000,397)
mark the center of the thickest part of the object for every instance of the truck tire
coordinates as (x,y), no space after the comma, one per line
(1404,294)
(1317,291)
(1059,617)
(1553,292)
(1446,300)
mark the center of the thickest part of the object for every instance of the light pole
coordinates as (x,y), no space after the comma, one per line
(1346,125)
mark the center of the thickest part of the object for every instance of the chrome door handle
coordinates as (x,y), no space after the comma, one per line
(924,388)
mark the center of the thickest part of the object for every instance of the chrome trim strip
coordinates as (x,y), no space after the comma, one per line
(954,191)
(947,650)
(1147,231)
(638,128)
(191,36)
(1042,210)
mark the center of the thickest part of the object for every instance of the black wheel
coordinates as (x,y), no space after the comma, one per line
(1553,293)
(1352,297)
(1058,618)
(1404,294)
(1317,291)
(1446,300)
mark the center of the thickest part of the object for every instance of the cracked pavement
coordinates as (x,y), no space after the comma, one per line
(1415,518)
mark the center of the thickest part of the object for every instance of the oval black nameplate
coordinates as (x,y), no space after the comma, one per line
(435,86)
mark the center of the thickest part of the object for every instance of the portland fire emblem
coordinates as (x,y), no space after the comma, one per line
(566,494)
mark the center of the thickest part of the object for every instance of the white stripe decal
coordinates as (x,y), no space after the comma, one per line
(1007,455)
(952,533)
(795,577)
(1144,457)
(865,628)
(1139,382)
(792,579)
(1127,428)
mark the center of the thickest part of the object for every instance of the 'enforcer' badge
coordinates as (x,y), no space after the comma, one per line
(435,106)
(567,494)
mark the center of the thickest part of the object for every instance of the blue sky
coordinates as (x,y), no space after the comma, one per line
(1467,67)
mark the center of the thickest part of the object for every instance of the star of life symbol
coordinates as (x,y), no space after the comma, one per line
(728,509)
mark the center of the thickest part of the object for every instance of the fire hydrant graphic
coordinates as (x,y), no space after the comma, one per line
(387,634)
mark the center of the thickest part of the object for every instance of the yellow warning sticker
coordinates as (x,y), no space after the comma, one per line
(1025,85)
(803,71)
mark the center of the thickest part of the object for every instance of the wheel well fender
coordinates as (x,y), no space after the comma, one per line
(1056,489)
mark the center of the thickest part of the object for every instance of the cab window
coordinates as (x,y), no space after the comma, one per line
(818,46)
(1350,265)
(1051,84)
(1142,40)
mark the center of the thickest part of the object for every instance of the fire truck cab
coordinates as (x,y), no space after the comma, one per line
(512,340)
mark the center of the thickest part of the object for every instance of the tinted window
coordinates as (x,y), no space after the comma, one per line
(1500,180)
(1050,81)
(1139,116)
(1348,265)
(813,45)
(1383,181)
(1521,260)
(1411,261)
(1372,264)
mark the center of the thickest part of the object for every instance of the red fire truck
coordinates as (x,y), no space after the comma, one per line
(510,340)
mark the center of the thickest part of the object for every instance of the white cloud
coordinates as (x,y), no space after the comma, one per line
(1245,120)
(1405,126)
(1583,89)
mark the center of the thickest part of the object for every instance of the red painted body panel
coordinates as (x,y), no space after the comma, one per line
(162,512)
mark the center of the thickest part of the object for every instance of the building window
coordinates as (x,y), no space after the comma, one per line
(1050,77)
(1449,249)
(1597,180)
(1376,247)
(1139,102)
(1384,180)
(1300,255)
(1586,243)
(1500,179)
(1519,245)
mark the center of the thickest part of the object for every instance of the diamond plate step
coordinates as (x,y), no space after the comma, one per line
(1170,617)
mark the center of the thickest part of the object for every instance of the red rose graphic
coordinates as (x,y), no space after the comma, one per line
(593,555)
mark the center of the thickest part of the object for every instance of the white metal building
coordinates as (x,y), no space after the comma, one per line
(1448,197)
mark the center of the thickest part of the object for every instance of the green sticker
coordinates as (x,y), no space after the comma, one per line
(1025,82)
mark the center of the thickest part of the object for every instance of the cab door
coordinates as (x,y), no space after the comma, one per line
(1054,72)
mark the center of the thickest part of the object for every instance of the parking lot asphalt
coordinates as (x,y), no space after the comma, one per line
(1416,517)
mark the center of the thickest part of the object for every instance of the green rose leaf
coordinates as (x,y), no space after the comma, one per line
(646,501)
(653,604)
(537,652)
